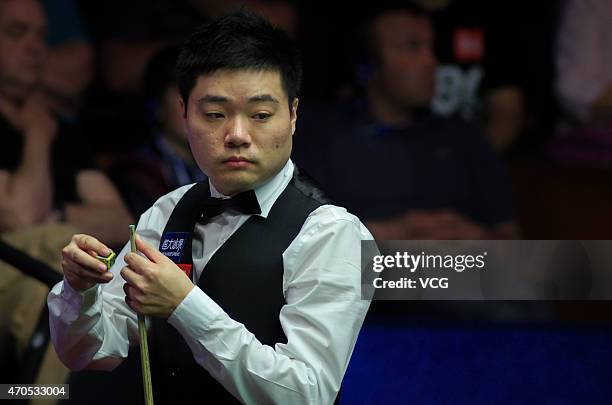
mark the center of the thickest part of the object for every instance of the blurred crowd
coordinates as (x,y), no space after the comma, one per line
(429,119)
(410,111)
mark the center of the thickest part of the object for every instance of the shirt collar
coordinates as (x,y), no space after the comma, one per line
(268,192)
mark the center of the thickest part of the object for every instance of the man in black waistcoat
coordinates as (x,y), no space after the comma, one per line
(252,279)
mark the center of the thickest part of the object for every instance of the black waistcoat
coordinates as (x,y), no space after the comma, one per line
(244,277)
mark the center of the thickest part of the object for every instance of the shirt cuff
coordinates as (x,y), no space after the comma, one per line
(80,299)
(195,313)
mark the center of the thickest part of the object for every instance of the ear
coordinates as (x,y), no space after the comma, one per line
(183,107)
(294,107)
(184,110)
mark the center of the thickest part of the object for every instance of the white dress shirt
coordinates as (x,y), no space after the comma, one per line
(321,318)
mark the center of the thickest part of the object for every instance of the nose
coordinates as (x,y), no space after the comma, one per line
(430,58)
(237,134)
(36,45)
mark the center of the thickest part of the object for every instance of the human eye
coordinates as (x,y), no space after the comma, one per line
(261,116)
(213,116)
(15,30)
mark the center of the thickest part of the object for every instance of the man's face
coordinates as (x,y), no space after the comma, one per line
(239,127)
(22,46)
(405,73)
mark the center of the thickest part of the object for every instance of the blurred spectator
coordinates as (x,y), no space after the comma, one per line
(26,124)
(69,65)
(49,188)
(584,57)
(409,173)
(584,83)
(479,75)
(165,162)
(40,170)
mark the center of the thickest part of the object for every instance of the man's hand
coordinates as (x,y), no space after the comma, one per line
(154,284)
(81,269)
(33,119)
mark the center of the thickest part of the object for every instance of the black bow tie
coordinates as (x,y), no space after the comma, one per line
(245,202)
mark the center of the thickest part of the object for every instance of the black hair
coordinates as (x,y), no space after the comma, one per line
(240,40)
(368,50)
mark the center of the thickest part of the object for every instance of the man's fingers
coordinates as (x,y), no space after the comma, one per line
(89,243)
(126,289)
(85,274)
(131,277)
(134,298)
(149,251)
(132,304)
(137,263)
(80,271)
(134,293)
(71,253)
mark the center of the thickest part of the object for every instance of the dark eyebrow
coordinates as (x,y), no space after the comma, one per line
(210,98)
(262,98)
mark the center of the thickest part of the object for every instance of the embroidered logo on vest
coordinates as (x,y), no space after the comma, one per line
(172,246)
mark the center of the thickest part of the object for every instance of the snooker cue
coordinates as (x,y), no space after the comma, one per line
(144,346)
